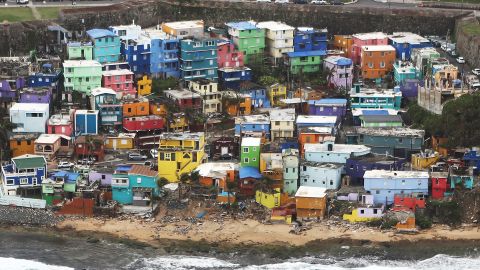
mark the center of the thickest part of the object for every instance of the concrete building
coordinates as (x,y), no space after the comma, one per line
(29,117)
(249,39)
(86,122)
(366,39)
(311,202)
(316,121)
(137,54)
(121,81)
(317,174)
(328,107)
(208,91)
(184,98)
(279,38)
(164,54)
(183,29)
(341,69)
(106,45)
(282,123)
(363,98)
(198,58)
(82,76)
(377,61)
(228,56)
(330,152)
(403,71)
(291,162)
(404,42)
(80,51)
(250,152)
(252,125)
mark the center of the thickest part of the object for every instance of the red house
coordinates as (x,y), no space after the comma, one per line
(402,202)
(143,123)
(61,124)
(90,146)
(228,56)
(184,98)
(439,183)
(121,81)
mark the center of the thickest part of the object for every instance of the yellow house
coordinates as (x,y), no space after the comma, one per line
(271,200)
(364,214)
(144,86)
(122,141)
(179,123)
(22,144)
(180,153)
(276,92)
(421,161)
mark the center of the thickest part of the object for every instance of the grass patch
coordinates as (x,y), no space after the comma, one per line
(49,13)
(16,14)
(471,28)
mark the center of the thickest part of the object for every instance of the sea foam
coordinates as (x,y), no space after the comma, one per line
(21,264)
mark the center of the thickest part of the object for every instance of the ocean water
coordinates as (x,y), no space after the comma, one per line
(438,262)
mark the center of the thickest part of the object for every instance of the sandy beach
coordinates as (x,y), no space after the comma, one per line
(250,232)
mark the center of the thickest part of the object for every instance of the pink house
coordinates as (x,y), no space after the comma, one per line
(359,40)
(228,56)
(61,124)
(121,81)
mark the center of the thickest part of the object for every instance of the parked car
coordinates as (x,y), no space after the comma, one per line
(336,2)
(300,2)
(86,161)
(154,153)
(453,53)
(476,71)
(136,156)
(281,2)
(65,165)
(22,2)
(319,2)
(460,60)
(264,1)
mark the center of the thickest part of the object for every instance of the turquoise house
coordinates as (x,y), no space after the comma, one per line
(373,98)
(403,71)
(465,181)
(198,59)
(134,184)
(106,45)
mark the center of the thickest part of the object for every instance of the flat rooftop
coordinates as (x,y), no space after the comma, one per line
(407,37)
(337,148)
(181,94)
(181,136)
(378,48)
(325,165)
(311,192)
(117,72)
(274,26)
(282,115)
(30,107)
(251,141)
(316,119)
(388,131)
(245,25)
(81,63)
(371,35)
(382,174)
(252,119)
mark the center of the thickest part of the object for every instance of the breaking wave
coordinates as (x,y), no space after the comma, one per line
(438,262)
(20,264)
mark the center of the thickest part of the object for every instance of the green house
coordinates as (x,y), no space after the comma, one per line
(381,121)
(80,51)
(250,152)
(249,39)
(82,75)
(304,62)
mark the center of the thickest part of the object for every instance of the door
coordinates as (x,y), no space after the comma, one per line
(224,150)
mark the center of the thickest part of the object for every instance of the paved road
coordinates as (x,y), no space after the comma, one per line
(12,3)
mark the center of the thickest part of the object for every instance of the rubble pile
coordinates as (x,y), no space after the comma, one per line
(10,215)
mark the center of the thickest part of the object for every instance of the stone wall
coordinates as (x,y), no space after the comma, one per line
(467,32)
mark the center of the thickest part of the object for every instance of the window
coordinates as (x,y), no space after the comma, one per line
(139,180)
(10,182)
(382,64)
(277,123)
(362,211)
(167,156)
(331,182)
(245,160)
(254,159)
(286,170)
(377,192)
(34,114)
(304,168)
(23,181)
(370,65)
(245,150)
(254,148)
(375,211)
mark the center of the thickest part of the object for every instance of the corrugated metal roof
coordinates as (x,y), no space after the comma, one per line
(29,161)
(98,33)
(143,170)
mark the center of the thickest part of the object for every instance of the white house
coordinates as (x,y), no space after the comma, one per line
(282,123)
(279,37)
(333,152)
(29,117)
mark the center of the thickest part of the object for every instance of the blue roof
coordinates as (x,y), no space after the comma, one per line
(98,33)
(328,101)
(344,61)
(242,25)
(69,176)
(123,168)
(307,53)
(374,112)
(249,172)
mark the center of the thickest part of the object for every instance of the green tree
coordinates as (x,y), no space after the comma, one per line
(231,189)
(267,80)
(5,128)
(159,85)
(265,184)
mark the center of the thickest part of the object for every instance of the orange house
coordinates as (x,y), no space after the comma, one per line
(343,43)
(158,108)
(136,107)
(438,144)
(236,103)
(377,61)
(217,174)
(313,135)
(21,144)
(311,202)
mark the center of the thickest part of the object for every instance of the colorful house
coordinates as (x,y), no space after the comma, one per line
(276,92)
(250,152)
(90,146)
(343,43)
(316,121)
(404,42)
(49,145)
(384,185)
(279,38)
(36,95)
(29,117)
(317,174)
(341,71)
(143,123)
(249,39)
(158,106)
(271,199)
(144,85)
(310,39)
(137,54)
(422,59)
(101,174)
(381,121)
(304,61)
(403,71)
(313,135)
(61,124)
(180,153)
(291,162)
(423,160)
(208,91)
(461,178)
(164,56)
(86,122)
(311,202)
(282,123)
(82,75)
(271,166)
(217,174)
(411,201)
(80,50)
(363,98)
(356,167)
(439,184)
(47,77)
(224,148)
(366,39)
(330,152)
(198,58)
(257,93)
(377,61)
(228,56)
(183,29)
(235,103)
(106,45)
(25,172)
(248,178)
(365,213)
(134,184)
(22,144)
(328,107)
(234,78)
(254,125)
(7,94)
(121,81)
(110,110)
(184,98)
(136,107)
(120,141)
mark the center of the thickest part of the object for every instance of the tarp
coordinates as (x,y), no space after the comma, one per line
(249,172)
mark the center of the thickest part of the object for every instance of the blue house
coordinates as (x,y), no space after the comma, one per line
(317,174)
(24,173)
(328,107)
(164,54)
(404,42)
(356,167)
(104,100)
(369,98)
(137,54)
(384,185)
(316,121)
(258,94)
(234,78)
(310,39)
(330,152)
(252,125)
(134,184)
(86,122)
(7,94)
(106,45)
(47,77)
(198,59)
(359,113)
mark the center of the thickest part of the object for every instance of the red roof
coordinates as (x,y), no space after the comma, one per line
(142,170)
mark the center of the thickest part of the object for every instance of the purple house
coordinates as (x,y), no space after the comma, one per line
(7,94)
(104,175)
(328,107)
(340,69)
(356,166)
(36,95)
(409,88)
